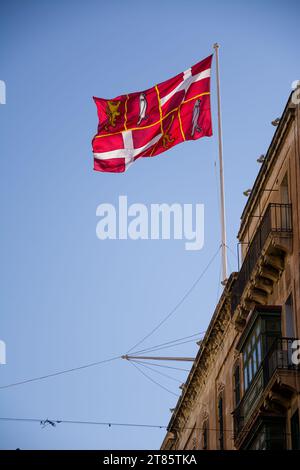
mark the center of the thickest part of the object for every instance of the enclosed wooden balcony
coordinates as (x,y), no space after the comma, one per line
(270,392)
(264,261)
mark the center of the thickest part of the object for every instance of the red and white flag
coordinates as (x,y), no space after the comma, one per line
(144,124)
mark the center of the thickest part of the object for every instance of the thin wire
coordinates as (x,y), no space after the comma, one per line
(219,282)
(54,374)
(232,252)
(174,309)
(161,365)
(157,371)
(166,347)
(168,342)
(110,424)
(219,212)
(153,381)
(35,379)
(85,366)
(99,423)
(229,264)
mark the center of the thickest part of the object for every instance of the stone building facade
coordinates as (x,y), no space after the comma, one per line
(243,391)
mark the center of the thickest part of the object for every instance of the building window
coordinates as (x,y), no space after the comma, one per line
(205,435)
(221,421)
(284,190)
(252,356)
(270,435)
(295,431)
(260,442)
(289,317)
(237,385)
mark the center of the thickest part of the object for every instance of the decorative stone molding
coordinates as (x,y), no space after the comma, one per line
(212,343)
(220,387)
(204,414)
(236,357)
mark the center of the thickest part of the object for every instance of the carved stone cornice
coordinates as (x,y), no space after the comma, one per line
(287,118)
(205,360)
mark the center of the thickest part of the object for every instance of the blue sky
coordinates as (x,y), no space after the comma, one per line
(68,298)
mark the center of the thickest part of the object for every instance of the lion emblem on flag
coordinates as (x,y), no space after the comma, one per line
(112,112)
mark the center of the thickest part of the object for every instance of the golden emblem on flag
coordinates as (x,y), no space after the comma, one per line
(167,138)
(112,112)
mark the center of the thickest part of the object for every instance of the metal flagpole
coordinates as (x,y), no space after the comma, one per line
(222,194)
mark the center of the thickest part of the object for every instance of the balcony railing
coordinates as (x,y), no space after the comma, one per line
(279,357)
(277,219)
